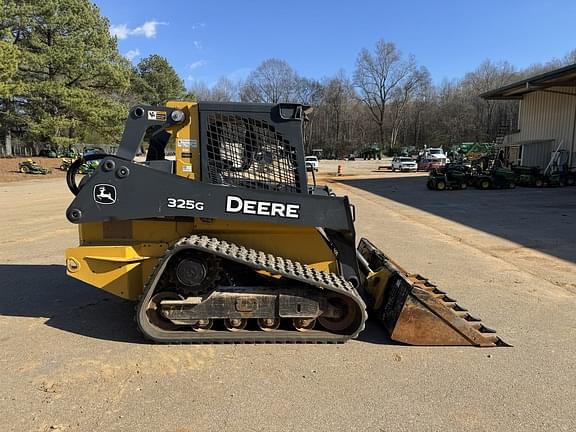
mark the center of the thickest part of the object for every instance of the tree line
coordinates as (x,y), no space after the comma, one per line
(389,102)
(63,81)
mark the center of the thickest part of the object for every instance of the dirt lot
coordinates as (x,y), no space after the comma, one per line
(9,168)
(71,358)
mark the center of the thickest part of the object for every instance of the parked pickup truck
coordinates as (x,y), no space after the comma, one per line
(402,163)
(312,163)
(428,164)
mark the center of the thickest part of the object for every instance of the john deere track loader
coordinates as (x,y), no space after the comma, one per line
(230,243)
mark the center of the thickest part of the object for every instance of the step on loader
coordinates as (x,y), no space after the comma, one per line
(229,243)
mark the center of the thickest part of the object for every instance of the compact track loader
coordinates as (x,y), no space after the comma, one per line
(229,243)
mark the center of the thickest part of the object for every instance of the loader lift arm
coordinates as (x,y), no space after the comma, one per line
(142,117)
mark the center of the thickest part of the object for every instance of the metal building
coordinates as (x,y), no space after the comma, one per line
(546,117)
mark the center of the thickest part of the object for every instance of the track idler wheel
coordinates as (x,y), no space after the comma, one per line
(154,310)
(345,316)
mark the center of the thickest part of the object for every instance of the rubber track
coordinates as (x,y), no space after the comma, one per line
(259,261)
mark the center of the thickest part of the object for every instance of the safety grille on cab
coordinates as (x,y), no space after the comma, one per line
(250,153)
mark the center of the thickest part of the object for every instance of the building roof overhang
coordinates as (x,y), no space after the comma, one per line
(563,77)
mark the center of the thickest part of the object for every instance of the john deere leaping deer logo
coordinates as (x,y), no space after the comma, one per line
(105,194)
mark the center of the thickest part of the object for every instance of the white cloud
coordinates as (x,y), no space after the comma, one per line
(148,30)
(132,54)
(197,44)
(198,25)
(198,64)
(120,31)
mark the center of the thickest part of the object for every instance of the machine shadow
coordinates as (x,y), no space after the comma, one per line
(375,333)
(68,304)
(539,219)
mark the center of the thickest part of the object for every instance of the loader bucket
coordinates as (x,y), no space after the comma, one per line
(413,310)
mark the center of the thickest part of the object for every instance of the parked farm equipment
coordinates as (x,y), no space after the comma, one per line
(529,176)
(459,176)
(65,164)
(452,176)
(495,178)
(86,166)
(562,177)
(28,166)
(535,177)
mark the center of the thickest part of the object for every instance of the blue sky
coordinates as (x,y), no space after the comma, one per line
(205,40)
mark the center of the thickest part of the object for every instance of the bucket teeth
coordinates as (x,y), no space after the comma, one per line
(416,312)
(482,328)
(465,315)
(457,308)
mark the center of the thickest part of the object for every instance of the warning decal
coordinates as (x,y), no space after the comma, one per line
(157,115)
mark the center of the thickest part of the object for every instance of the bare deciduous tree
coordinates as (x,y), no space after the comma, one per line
(272,82)
(414,84)
(487,76)
(337,99)
(307,91)
(199,91)
(380,77)
(225,90)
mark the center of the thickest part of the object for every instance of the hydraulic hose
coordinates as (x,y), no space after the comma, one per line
(75,166)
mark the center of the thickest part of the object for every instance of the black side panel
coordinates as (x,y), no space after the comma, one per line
(254,146)
(122,190)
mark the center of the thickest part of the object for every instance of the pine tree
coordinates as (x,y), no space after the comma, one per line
(158,80)
(70,74)
(9,86)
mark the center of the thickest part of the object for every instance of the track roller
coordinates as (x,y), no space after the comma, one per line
(235,324)
(202,325)
(303,324)
(268,324)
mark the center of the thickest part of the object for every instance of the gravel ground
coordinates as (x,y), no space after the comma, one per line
(71,358)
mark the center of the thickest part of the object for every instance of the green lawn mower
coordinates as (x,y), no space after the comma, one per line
(449,177)
(495,178)
(30,167)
